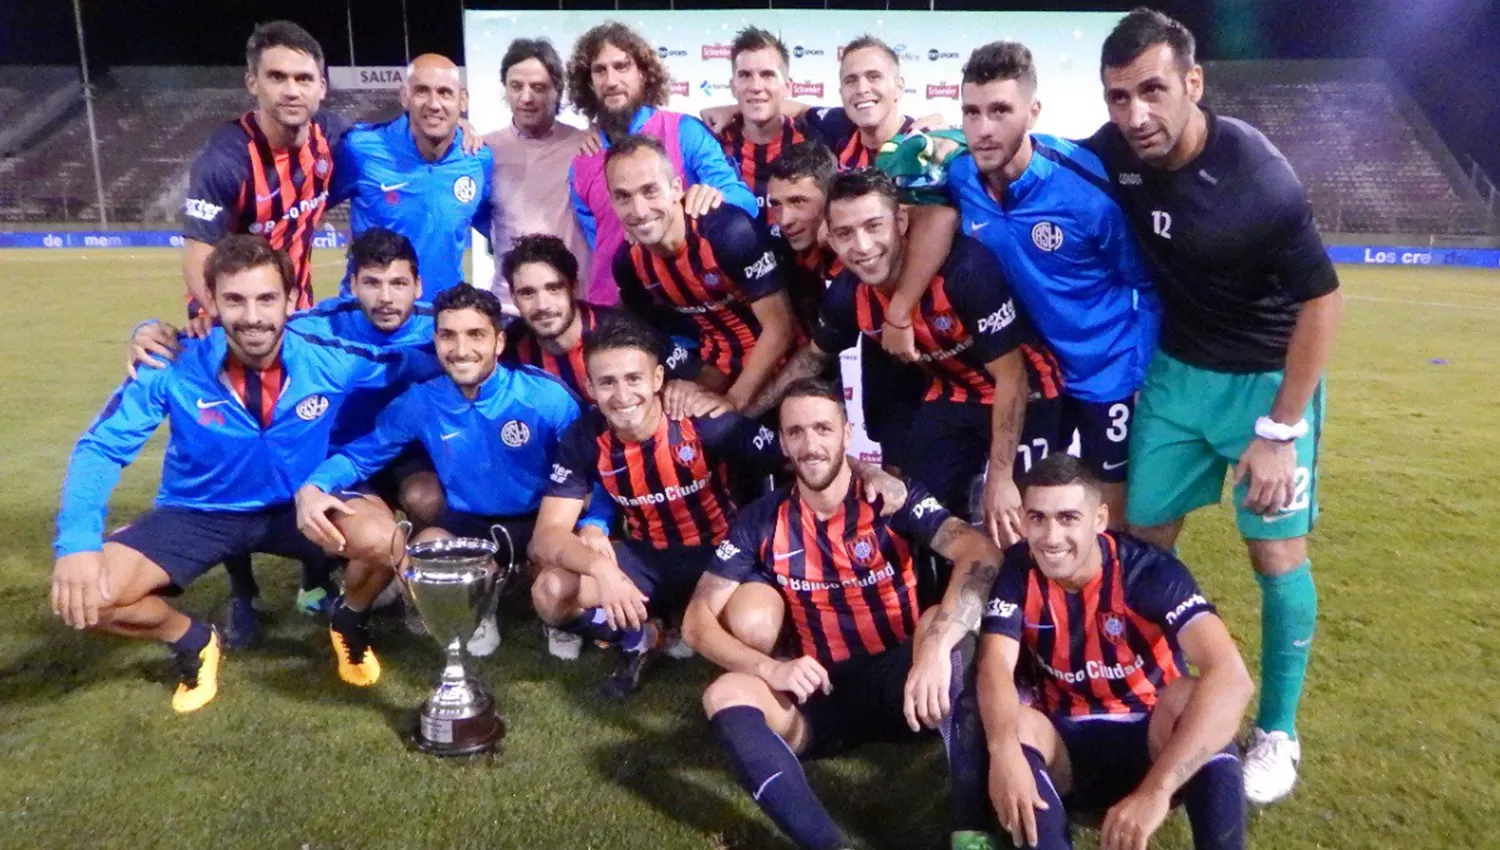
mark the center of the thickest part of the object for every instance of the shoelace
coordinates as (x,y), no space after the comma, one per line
(188,667)
(355,644)
(1270,752)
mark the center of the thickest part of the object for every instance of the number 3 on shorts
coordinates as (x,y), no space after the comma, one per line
(1119,423)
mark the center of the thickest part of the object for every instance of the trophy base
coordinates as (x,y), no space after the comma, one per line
(480,734)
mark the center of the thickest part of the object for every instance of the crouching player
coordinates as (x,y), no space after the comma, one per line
(867,667)
(1108,625)
(490,430)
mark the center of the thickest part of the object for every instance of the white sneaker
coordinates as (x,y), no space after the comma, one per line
(677,647)
(561,644)
(486,638)
(1271,762)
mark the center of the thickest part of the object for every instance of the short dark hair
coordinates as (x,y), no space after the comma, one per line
(467,297)
(378,247)
(1000,61)
(868,41)
(807,158)
(814,387)
(542,51)
(1142,30)
(539,248)
(634,143)
(620,333)
(1060,469)
(655,78)
(240,252)
(281,34)
(755,38)
(860,182)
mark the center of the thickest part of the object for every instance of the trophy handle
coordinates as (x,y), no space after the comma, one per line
(507,566)
(399,538)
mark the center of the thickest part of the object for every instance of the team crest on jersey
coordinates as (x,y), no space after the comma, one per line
(1112,627)
(711,279)
(687,453)
(312,407)
(942,323)
(863,551)
(1047,236)
(464,189)
(515,433)
(321,167)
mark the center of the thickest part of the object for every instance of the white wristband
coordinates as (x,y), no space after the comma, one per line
(1267,428)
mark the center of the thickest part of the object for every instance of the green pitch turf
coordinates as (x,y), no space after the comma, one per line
(1400,723)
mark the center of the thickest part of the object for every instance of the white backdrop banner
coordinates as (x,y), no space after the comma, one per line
(694,44)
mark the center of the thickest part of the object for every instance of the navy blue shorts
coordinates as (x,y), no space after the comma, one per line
(1103,429)
(945,448)
(1110,758)
(666,576)
(464,524)
(186,543)
(866,704)
(386,484)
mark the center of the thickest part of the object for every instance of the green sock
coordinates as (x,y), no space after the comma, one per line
(1289,612)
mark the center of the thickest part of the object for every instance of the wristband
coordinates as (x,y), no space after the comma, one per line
(905,327)
(1267,428)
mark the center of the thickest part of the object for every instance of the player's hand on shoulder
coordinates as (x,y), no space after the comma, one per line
(150,341)
(685,398)
(925,697)
(1130,823)
(1014,795)
(79,588)
(1002,509)
(801,677)
(931,121)
(623,603)
(473,142)
(883,489)
(313,517)
(899,341)
(718,117)
(1272,468)
(588,143)
(200,325)
(700,198)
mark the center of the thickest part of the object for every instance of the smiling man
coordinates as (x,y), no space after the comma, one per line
(413,175)
(760,81)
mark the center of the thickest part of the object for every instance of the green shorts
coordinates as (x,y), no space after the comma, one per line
(1191,426)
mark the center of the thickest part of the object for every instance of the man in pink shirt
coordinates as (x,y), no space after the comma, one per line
(532,157)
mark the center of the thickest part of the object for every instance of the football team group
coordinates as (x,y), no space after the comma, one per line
(1065,347)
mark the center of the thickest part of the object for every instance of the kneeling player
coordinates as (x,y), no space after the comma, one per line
(490,430)
(1108,625)
(868,669)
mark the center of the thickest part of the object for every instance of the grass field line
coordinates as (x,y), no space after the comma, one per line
(1417,303)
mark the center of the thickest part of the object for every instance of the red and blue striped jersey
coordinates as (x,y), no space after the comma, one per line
(522,347)
(849,581)
(1110,647)
(833,126)
(754,160)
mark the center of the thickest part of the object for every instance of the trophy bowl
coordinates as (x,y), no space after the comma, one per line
(451,583)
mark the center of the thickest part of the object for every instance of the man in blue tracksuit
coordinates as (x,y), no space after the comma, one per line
(1042,205)
(385,313)
(411,174)
(251,408)
(490,429)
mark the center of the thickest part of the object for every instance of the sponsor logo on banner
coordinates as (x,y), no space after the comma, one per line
(709,87)
(715,51)
(799,51)
(942,90)
(807,89)
(666,52)
(934,54)
(679,87)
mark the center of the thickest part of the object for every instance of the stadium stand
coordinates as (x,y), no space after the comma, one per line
(1370,160)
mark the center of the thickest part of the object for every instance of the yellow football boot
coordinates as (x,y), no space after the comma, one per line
(358,665)
(198,680)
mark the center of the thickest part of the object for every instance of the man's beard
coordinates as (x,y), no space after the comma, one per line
(616,123)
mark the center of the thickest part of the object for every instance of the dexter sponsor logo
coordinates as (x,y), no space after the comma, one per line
(1000,319)
(807,89)
(942,90)
(715,51)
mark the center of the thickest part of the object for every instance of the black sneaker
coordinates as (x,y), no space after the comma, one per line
(242,627)
(626,679)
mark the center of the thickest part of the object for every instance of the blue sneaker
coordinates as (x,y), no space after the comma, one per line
(242,629)
(317,602)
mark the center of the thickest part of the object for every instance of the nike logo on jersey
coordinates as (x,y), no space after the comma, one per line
(205,405)
(451,435)
(976,226)
(781,557)
(1038,625)
(394,186)
(265,199)
(1113,466)
(618,471)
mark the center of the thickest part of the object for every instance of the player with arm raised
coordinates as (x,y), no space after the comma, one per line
(250,409)
(870,666)
(1250,309)
(1109,625)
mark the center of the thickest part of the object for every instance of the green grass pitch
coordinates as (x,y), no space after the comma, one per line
(1401,720)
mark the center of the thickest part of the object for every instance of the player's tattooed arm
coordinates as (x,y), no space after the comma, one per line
(1002,500)
(977,565)
(807,362)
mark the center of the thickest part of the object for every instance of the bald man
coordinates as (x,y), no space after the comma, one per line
(412,174)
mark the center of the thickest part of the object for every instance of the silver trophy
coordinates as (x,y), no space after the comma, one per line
(452,583)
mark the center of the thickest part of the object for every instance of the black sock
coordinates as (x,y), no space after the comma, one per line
(241,579)
(773,775)
(1215,802)
(968,756)
(317,573)
(1052,831)
(345,619)
(593,625)
(193,640)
